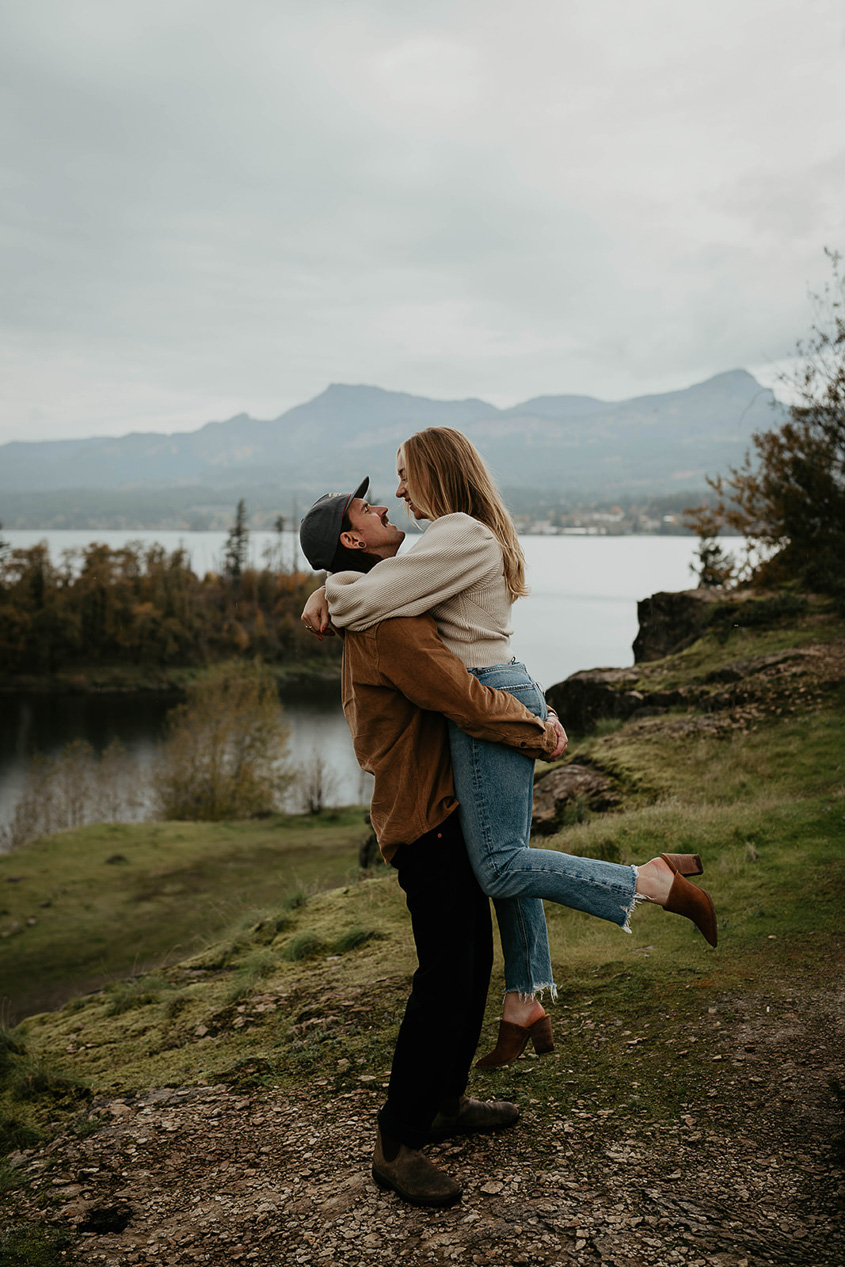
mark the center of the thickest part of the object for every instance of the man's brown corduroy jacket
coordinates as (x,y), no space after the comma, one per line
(400,683)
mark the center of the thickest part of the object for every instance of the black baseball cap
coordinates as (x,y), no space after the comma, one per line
(319,532)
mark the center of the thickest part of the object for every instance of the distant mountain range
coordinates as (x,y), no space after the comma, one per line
(566,446)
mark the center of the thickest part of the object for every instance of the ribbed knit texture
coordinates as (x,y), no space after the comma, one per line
(455,571)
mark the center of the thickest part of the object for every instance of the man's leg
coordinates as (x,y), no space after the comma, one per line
(450,918)
(439,1033)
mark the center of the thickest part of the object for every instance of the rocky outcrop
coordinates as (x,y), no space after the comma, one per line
(594,694)
(670,622)
(556,791)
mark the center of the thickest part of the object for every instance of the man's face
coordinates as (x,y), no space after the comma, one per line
(371,530)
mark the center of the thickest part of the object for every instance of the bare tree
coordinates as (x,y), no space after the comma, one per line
(317,783)
(72,789)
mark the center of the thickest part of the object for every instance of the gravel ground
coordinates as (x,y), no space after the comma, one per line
(217,1176)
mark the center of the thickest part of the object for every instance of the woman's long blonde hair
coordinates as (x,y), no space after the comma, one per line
(446,474)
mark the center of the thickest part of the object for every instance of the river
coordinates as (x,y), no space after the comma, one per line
(582,613)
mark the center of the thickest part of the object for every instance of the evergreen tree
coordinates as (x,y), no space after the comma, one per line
(236,553)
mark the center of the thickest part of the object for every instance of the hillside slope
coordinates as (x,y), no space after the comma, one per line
(689,1113)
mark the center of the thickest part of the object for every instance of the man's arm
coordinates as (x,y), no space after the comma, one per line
(416,662)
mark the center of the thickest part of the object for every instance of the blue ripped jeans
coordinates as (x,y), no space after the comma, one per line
(495,787)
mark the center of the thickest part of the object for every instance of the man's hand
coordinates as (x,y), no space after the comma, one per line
(315,615)
(562,740)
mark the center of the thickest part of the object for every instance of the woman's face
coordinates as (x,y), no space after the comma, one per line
(402,490)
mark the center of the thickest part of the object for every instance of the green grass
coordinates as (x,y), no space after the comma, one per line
(303,946)
(792,757)
(184,1027)
(309,993)
(283,1004)
(31,1245)
(85,906)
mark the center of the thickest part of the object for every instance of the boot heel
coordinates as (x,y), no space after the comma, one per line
(684,863)
(694,903)
(541,1036)
(513,1039)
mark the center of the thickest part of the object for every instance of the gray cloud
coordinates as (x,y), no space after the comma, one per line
(210,207)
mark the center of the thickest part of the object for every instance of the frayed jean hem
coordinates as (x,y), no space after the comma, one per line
(535,993)
(636,899)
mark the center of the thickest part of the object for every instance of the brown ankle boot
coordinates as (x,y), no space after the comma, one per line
(411,1175)
(689,900)
(474,1116)
(513,1039)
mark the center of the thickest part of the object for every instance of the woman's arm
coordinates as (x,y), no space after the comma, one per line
(455,554)
(315,615)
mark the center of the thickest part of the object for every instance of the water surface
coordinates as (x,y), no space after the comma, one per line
(581,613)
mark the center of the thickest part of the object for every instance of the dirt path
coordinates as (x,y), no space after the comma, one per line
(216,1176)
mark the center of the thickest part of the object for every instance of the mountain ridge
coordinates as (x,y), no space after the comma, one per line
(565,442)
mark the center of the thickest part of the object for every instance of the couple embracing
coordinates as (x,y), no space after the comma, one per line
(450,724)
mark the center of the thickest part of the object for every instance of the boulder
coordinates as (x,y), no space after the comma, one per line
(670,622)
(561,787)
(586,697)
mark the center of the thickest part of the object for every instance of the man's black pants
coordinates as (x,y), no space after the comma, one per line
(450,917)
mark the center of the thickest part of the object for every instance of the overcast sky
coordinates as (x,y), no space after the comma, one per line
(212,207)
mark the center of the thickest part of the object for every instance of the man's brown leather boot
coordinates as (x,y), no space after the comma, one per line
(411,1175)
(466,1116)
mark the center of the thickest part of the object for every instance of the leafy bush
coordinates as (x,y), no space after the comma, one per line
(225,754)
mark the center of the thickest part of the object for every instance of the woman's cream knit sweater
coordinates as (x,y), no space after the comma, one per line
(455,571)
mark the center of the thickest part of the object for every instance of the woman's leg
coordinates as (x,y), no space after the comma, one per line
(495,787)
(521,920)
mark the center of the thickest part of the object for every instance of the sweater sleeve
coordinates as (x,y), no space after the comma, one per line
(456,553)
(413,658)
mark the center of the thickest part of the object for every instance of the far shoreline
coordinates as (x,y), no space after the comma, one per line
(96,681)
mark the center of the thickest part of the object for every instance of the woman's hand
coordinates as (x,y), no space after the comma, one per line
(315,615)
(562,740)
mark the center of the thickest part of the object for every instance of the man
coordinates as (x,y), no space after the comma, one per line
(399,684)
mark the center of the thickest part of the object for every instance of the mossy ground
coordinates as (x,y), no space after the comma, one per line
(97,903)
(652,1030)
(316,990)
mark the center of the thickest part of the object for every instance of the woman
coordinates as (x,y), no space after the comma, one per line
(468,569)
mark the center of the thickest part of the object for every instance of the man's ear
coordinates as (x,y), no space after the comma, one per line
(348,540)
